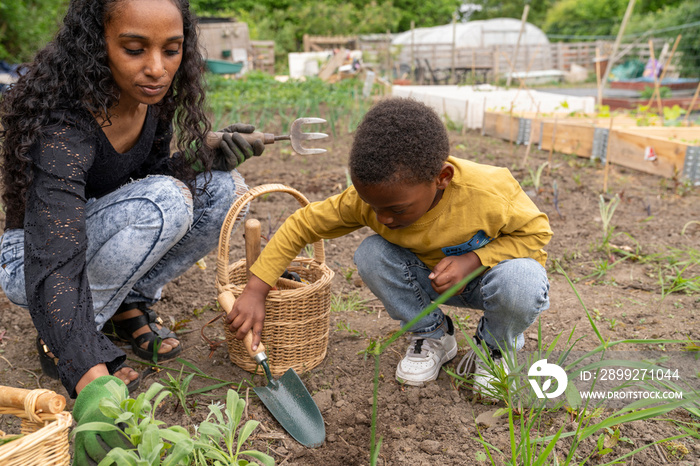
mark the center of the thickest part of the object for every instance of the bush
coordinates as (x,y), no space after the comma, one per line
(26,26)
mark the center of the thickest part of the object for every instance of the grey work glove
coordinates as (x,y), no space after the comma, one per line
(234,150)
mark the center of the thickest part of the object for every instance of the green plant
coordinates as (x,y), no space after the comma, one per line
(536,177)
(179,387)
(347,273)
(344,327)
(607,210)
(376,348)
(648,91)
(671,114)
(351,302)
(527,414)
(221,426)
(154,443)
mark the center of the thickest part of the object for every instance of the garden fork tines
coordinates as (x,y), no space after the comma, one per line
(295,136)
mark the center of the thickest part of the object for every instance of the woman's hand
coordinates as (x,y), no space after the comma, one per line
(233,150)
(248,312)
(452,269)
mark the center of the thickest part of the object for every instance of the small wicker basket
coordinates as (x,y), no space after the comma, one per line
(297,315)
(44,440)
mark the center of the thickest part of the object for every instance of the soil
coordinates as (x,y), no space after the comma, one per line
(436,424)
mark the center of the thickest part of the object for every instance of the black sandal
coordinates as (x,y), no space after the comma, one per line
(49,365)
(124,330)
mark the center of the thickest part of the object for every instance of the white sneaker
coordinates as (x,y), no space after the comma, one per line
(483,376)
(425,357)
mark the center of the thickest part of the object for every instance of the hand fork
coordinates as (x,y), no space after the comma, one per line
(295,136)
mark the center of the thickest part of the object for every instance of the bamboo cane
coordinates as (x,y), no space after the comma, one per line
(48,402)
(657,91)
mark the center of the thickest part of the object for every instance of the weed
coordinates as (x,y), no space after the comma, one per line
(179,387)
(199,311)
(351,302)
(347,273)
(577,179)
(343,326)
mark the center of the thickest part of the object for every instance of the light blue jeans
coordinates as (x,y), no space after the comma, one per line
(140,237)
(511,294)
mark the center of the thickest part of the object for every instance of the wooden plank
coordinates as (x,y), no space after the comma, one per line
(499,125)
(628,148)
(332,65)
(570,138)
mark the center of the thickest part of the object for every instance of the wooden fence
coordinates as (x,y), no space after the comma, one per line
(419,60)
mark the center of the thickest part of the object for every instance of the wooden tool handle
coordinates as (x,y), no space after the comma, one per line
(252,243)
(252,251)
(51,403)
(226,301)
(214,138)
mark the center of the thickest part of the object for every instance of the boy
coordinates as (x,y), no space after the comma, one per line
(437,219)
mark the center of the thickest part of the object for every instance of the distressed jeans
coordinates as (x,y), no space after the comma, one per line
(511,294)
(140,237)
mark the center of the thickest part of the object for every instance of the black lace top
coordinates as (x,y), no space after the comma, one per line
(72,163)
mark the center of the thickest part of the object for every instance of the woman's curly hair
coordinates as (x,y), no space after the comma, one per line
(399,140)
(71,73)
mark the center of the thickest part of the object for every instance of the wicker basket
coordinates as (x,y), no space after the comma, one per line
(297,315)
(45,436)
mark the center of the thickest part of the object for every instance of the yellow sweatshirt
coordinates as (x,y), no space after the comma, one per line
(483,209)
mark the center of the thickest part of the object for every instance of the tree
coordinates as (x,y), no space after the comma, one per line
(27,26)
(513,9)
(585,17)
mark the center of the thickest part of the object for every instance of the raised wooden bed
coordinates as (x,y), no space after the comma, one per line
(663,151)
(667,152)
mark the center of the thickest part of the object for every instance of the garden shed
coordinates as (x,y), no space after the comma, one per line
(480,47)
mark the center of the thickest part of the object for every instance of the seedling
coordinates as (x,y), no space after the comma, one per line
(179,387)
(536,177)
(607,210)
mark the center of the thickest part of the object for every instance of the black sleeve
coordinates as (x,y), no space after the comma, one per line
(58,292)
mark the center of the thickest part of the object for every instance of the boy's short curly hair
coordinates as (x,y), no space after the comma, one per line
(399,139)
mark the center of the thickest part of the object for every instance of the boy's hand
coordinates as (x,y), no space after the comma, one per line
(248,312)
(449,271)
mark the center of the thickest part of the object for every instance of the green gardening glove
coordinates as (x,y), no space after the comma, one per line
(92,446)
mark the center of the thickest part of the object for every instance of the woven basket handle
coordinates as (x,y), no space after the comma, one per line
(222,262)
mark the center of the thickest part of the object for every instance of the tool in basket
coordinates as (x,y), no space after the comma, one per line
(287,399)
(45,428)
(296,136)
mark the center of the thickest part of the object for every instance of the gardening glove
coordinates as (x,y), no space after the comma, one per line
(234,150)
(91,446)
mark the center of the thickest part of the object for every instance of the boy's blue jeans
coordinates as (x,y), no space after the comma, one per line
(512,294)
(140,237)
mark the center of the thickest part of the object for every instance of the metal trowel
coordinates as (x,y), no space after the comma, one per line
(287,399)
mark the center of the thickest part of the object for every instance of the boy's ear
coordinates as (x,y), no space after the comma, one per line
(445,176)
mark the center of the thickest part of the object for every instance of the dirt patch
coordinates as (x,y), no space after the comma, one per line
(436,424)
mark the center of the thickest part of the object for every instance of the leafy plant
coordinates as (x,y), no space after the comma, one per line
(648,91)
(158,445)
(607,210)
(154,443)
(221,426)
(179,387)
(536,177)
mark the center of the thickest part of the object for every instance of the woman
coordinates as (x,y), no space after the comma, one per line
(100,216)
